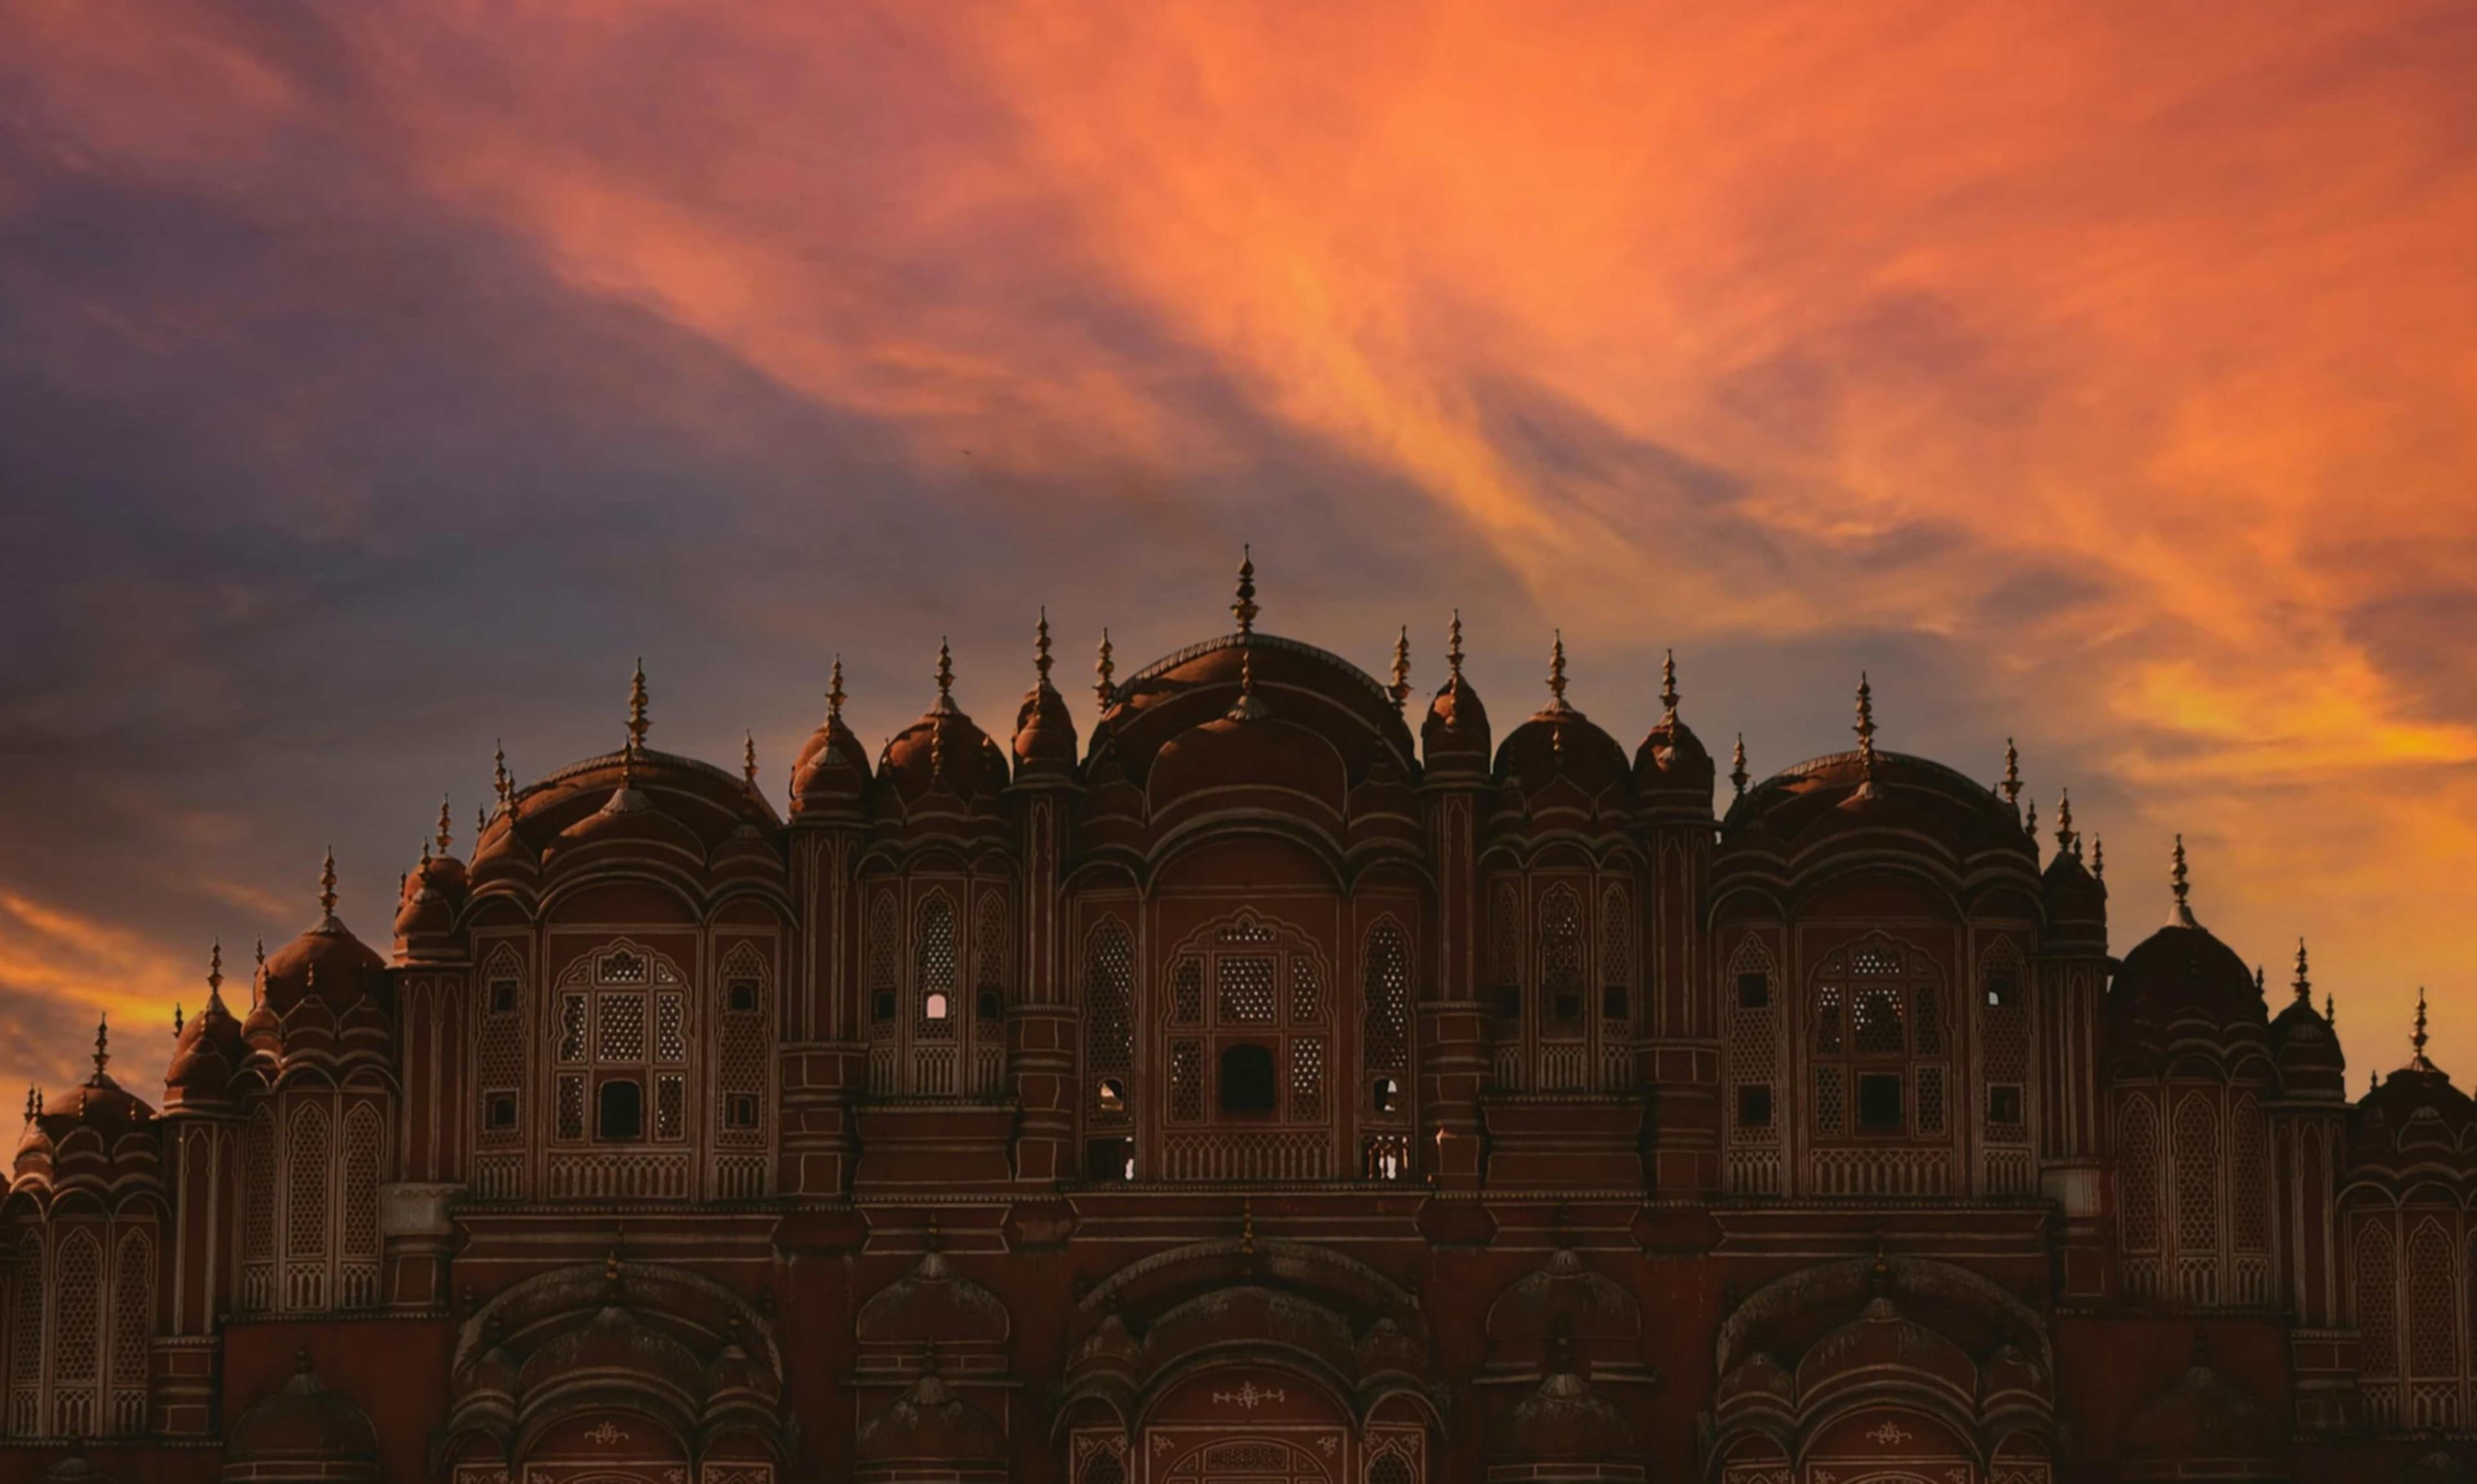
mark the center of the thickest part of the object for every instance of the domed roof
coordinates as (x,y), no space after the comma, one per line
(1567,1417)
(1248,747)
(1454,736)
(98,1103)
(1045,730)
(300,1424)
(928,1423)
(831,772)
(434,892)
(2304,1044)
(1560,745)
(2202,1425)
(932,1304)
(2415,1113)
(343,968)
(209,1049)
(1672,761)
(942,753)
(2184,970)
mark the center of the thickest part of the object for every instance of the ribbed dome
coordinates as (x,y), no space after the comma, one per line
(1249,746)
(342,967)
(1558,743)
(930,1425)
(1454,736)
(210,1050)
(1567,1419)
(942,753)
(1044,728)
(831,773)
(1672,762)
(2185,969)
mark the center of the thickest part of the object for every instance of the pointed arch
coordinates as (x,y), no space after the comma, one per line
(261,1150)
(1561,957)
(1384,997)
(935,965)
(2433,1350)
(307,1209)
(1616,953)
(2137,1172)
(28,1291)
(1109,1025)
(77,1333)
(132,1331)
(2198,1202)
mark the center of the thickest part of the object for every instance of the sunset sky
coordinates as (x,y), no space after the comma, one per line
(380,380)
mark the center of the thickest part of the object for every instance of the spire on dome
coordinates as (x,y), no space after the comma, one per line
(2065,823)
(2182,914)
(176,1019)
(2098,858)
(1865,729)
(1556,672)
(2417,1039)
(1400,689)
(103,1040)
(2304,985)
(637,725)
(945,677)
(1103,668)
(2012,775)
(216,974)
(1454,647)
(1737,773)
(1669,685)
(258,980)
(500,778)
(1041,648)
(2330,1010)
(628,764)
(445,837)
(1244,609)
(327,887)
(1249,708)
(2030,825)
(748,757)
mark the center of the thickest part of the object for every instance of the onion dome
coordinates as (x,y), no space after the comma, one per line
(831,773)
(434,892)
(1672,771)
(943,758)
(1045,731)
(1247,749)
(91,1133)
(2204,1426)
(2306,1047)
(1454,739)
(2414,1114)
(2075,897)
(342,966)
(2183,972)
(208,1052)
(1561,756)
(929,1431)
(261,1030)
(1566,1419)
(301,1430)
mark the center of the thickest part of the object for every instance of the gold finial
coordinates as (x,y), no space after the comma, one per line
(627,762)
(103,1040)
(2065,823)
(2182,914)
(748,757)
(2304,985)
(2416,1040)
(258,980)
(215,972)
(2012,775)
(176,1019)
(1103,668)
(1669,683)
(425,865)
(445,837)
(2098,858)
(480,822)
(1454,646)
(1400,690)
(2030,826)
(1041,647)
(945,670)
(327,885)
(1245,610)
(1737,773)
(1248,708)
(501,779)
(1556,672)
(611,1265)
(1866,727)
(638,726)
(34,1101)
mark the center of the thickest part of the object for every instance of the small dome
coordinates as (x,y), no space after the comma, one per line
(210,1050)
(1559,744)
(1249,748)
(928,1425)
(831,773)
(302,1430)
(1672,762)
(615,1340)
(932,1304)
(1567,1419)
(1044,728)
(1760,1380)
(343,968)
(98,1103)
(1455,737)
(942,753)
(2305,1044)
(2184,970)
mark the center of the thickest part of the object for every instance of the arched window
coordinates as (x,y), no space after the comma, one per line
(2136,1174)
(2197,1159)
(77,1334)
(1391,1468)
(992,959)
(621,1019)
(2377,1296)
(1616,957)
(1875,1029)
(935,1010)
(1385,1030)
(27,1292)
(2433,1326)
(132,1331)
(499,1052)
(363,1153)
(739,1060)
(1109,1032)
(1561,963)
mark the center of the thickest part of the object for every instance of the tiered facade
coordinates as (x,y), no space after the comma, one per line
(1282,1085)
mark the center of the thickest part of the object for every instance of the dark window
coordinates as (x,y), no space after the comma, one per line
(1109,1159)
(1999,989)
(740,995)
(1569,1008)
(1613,1003)
(619,1108)
(1388,1095)
(1247,1081)
(1879,1103)
(882,1008)
(739,1111)
(502,996)
(1754,991)
(2004,1103)
(990,1008)
(1509,1002)
(499,1111)
(1754,1107)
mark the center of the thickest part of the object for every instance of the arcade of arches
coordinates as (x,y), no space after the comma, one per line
(1254,1073)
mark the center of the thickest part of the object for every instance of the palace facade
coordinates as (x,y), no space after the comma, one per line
(1277,1085)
